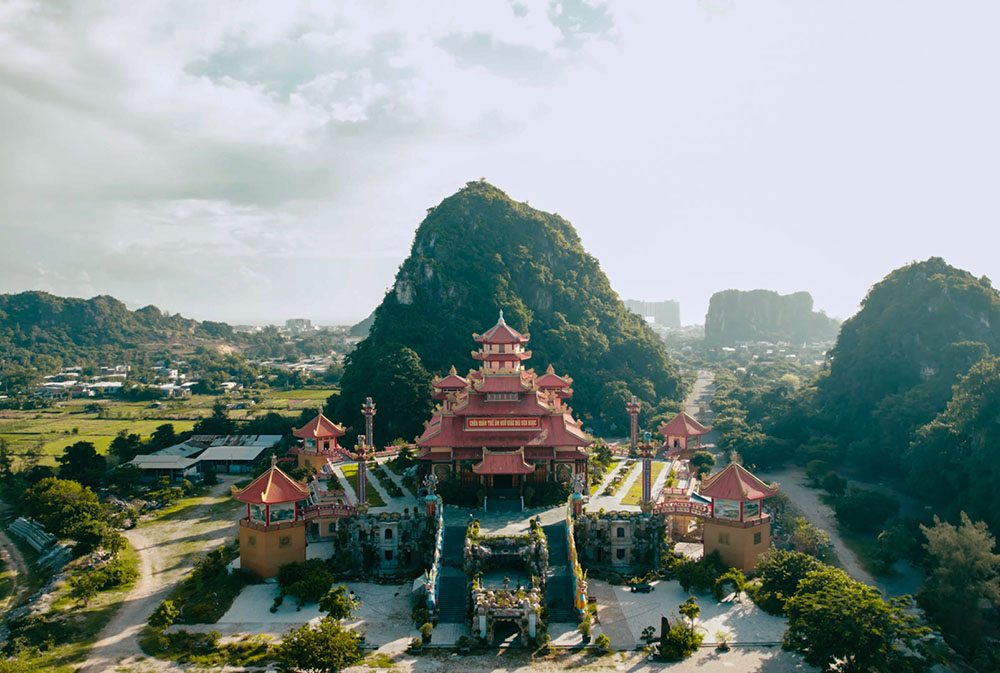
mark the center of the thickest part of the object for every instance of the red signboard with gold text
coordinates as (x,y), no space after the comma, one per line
(528,423)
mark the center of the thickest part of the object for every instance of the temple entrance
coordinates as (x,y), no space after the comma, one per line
(503,482)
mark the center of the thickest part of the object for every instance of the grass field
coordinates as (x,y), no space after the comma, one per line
(49,431)
(634,494)
(373,496)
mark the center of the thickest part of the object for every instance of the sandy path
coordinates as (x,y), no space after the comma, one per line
(167,551)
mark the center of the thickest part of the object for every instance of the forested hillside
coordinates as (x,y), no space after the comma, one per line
(764,315)
(896,360)
(474,254)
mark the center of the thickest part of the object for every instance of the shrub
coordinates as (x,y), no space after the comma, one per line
(865,510)
(700,574)
(163,616)
(603,643)
(679,642)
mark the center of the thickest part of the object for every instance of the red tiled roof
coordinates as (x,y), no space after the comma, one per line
(451,381)
(321,426)
(735,482)
(502,333)
(500,383)
(552,380)
(503,463)
(683,426)
(272,487)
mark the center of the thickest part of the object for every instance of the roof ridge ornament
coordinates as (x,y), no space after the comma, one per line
(501,320)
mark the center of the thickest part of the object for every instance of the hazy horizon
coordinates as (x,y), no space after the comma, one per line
(255,162)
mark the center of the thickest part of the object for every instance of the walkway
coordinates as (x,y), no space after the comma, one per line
(610,503)
(612,622)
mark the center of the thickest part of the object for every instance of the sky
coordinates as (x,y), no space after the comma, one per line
(257,161)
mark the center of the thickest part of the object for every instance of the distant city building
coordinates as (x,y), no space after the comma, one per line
(298,324)
(661,313)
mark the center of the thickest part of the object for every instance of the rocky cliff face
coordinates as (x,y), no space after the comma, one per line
(479,252)
(764,315)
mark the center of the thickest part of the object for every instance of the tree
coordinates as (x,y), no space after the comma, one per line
(125,446)
(324,648)
(780,572)
(80,462)
(690,609)
(6,462)
(703,461)
(337,604)
(218,423)
(964,569)
(865,510)
(83,587)
(840,624)
(163,436)
(834,484)
(60,505)
(163,616)
(809,539)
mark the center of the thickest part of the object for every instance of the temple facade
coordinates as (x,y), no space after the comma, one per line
(502,427)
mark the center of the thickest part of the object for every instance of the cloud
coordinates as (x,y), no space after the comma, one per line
(183,152)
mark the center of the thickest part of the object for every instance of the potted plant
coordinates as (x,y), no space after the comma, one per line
(585,629)
(415,645)
(425,631)
(722,640)
(464,644)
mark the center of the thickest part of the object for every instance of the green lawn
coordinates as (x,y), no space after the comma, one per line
(303,394)
(351,472)
(634,494)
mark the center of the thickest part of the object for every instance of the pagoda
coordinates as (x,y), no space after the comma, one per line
(736,526)
(273,532)
(682,436)
(319,442)
(502,427)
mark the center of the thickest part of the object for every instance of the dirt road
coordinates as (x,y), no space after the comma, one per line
(167,549)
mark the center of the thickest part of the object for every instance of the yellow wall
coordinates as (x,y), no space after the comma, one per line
(262,552)
(736,545)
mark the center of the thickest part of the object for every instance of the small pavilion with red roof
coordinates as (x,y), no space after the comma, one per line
(502,427)
(682,435)
(319,442)
(273,531)
(737,527)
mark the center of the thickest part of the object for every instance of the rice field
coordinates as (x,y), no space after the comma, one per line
(48,431)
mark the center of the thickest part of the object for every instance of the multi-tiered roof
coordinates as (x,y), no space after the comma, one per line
(503,407)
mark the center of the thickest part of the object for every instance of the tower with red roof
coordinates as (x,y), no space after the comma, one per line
(501,428)
(682,436)
(736,526)
(273,532)
(319,442)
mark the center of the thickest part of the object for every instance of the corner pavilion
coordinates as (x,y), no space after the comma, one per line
(502,427)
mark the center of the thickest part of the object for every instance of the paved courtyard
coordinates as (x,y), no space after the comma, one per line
(384,614)
(623,615)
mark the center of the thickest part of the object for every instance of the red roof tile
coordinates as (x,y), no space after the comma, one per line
(451,382)
(502,333)
(321,426)
(503,463)
(683,426)
(552,380)
(735,482)
(272,487)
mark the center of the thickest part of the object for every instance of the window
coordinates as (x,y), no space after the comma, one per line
(251,540)
(756,538)
(285,541)
(723,538)
(620,554)
(621,532)
(388,554)
(332,528)
(388,533)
